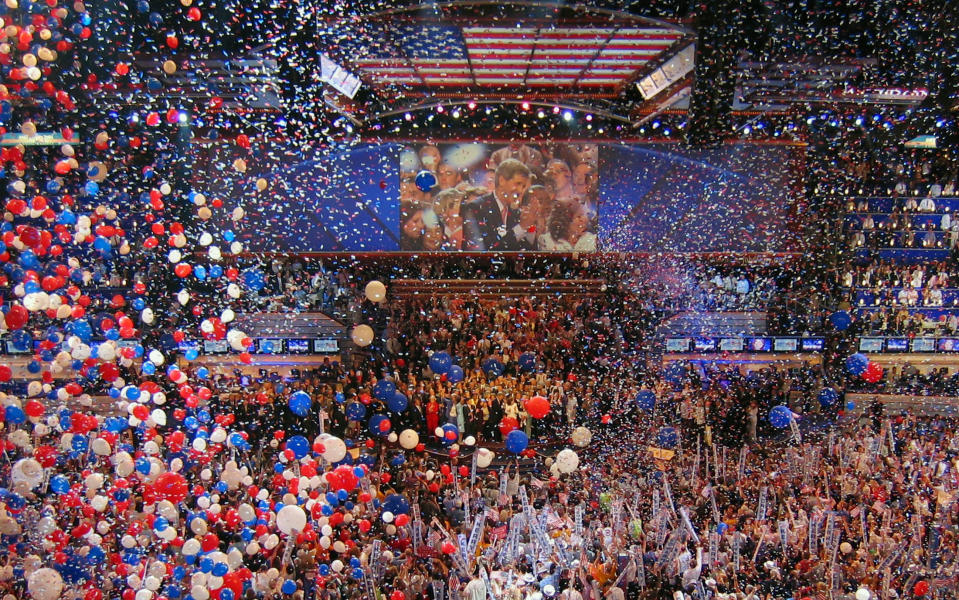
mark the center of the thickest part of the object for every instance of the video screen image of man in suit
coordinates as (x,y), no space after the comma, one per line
(500,197)
(495,222)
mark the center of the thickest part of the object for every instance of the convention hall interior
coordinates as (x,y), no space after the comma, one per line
(479,299)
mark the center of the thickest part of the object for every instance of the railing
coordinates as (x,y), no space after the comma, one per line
(495,288)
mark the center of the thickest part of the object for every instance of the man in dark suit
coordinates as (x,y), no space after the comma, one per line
(495,222)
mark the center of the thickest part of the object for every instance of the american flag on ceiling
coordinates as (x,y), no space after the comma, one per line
(521,57)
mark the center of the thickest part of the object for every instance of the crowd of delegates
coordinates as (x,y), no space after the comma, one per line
(730,507)
(518,197)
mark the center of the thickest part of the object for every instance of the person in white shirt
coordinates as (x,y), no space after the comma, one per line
(935,190)
(927,205)
(868,223)
(858,239)
(946,221)
(949,189)
(929,240)
(910,205)
(903,296)
(934,297)
(474,590)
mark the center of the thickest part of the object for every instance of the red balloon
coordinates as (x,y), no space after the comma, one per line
(17,316)
(5,373)
(33,409)
(873,372)
(449,548)
(508,424)
(171,486)
(537,407)
(921,588)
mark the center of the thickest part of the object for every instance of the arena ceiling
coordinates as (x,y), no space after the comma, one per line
(484,52)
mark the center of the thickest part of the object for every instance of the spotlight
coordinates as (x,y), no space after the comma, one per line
(456,113)
(525,106)
(183,117)
(555,110)
(858,121)
(567,115)
(760,125)
(810,120)
(471,105)
(747,130)
(665,131)
(408,117)
(589,117)
(439,108)
(540,114)
(656,124)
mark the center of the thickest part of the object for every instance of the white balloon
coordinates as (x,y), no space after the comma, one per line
(183,297)
(191,546)
(484,457)
(45,584)
(567,461)
(582,437)
(375,291)
(362,335)
(409,439)
(863,594)
(290,517)
(334,448)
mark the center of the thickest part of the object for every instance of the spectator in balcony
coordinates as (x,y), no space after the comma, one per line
(908,296)
(858,239)
(927,205)
(949,189)
(868,224)
(910,205)
(935,190)
(945,222)
(929,238)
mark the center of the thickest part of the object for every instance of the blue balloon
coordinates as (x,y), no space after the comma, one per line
(828,397)
(255,280)
(226,594)
(398,402)
(60,484)
(492,367)
(840,320)
(376,422)
(355,411)
(396,504)
(425,180)
(850,405)
(339,397)
(289,586)
(857,363)
(721,528)
(667,437)
(516,441)
(527,361)
(299,445)
(384,390)
(451,434)
(440,363)
(675,372)
(780,416)
(14,414)
(455,374)
(646,400)
(300,403)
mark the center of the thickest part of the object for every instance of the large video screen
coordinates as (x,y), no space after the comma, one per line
(499,197)
(521,197)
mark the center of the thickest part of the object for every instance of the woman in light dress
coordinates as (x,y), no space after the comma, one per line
(567,229)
